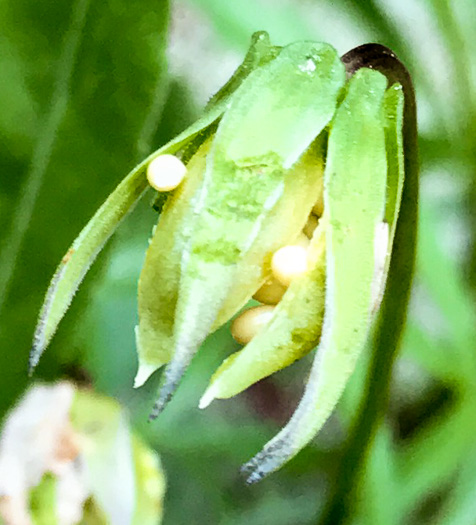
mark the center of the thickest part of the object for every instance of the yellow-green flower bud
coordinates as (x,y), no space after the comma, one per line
(285,190)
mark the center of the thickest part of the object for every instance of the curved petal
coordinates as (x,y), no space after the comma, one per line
(354,202)
(272,120)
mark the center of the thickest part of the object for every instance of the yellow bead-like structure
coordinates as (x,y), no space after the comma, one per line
(250,322)
(166,172)
(288,263)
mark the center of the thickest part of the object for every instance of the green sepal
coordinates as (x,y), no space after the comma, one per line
(292,332)
(285,222)
(159,281)
(295,327)
(82,253)
(272,119)
(393,110)
(260,52)
(160,276)
(354,203)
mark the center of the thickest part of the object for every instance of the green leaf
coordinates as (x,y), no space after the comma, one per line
(87,99)
(88,244)
(272,119)
(354,200)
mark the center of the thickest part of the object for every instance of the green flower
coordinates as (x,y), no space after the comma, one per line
(290,143)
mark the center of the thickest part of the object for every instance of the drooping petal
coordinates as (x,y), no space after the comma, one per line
(292,332)
(272,120)
(354,202)
(85,248)
(82,253)
(393,107)
(160,276)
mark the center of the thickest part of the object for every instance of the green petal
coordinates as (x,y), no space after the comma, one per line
(354,198)
(393,107)
(287,219)
(82,253)
(260,52)
(160,276)
(273,118)
(292,332)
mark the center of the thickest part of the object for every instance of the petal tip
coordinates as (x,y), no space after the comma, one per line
(171,378)
(143,373)
(32,362)
(252,472)
(159,405)
(207,398)
(35,354)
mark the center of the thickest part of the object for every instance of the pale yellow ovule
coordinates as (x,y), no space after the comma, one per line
(166,172)
(250,322)
(288,263)
(270,292)
(310,226)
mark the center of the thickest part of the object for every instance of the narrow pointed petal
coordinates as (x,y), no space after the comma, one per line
(160,276)
(82,253)
(272,120)
(84,250)
(354,201)
(393,107)
(79,257)
(158,284)
(293,331)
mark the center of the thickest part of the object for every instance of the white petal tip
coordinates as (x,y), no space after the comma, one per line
(144,372)
(206,399)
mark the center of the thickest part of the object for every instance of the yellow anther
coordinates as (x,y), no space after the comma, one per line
(250,322)
(271,292)
(288,263)
(311,225)
(166,172)
(318,208)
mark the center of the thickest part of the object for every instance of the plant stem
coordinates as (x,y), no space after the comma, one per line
(390,323)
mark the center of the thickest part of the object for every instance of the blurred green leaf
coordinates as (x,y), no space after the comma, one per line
(107,63)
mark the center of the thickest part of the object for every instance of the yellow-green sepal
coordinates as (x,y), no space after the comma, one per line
(393,113)
(354,202)
(160,277)
(273,118)
(292,332)
(85,248)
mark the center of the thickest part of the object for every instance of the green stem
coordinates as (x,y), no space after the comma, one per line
(392,316)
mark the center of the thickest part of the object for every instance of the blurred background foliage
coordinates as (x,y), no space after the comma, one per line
(88,88)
